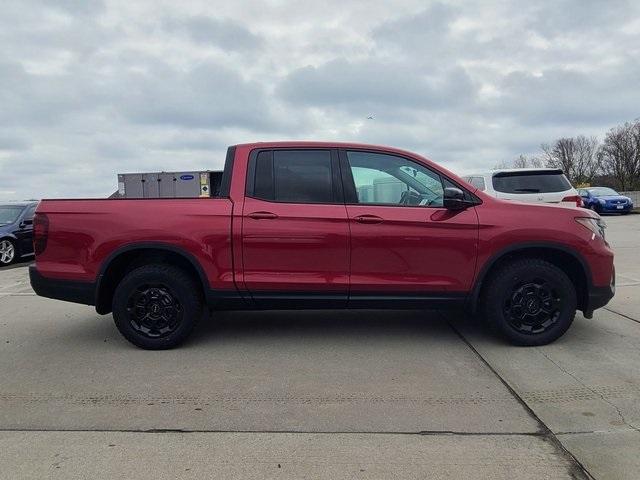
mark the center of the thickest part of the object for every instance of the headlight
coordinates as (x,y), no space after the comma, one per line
(596,225)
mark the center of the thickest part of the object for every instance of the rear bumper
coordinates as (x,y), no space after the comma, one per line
(66,290)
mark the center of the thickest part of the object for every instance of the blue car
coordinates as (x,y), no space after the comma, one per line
(605,200)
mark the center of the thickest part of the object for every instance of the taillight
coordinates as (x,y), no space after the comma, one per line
(40,232)
(574,198)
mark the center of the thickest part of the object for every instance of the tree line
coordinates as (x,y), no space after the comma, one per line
(614,162)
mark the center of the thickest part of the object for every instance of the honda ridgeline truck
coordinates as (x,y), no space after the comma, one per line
(309,225)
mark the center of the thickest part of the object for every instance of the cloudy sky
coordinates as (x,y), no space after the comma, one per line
(89,88)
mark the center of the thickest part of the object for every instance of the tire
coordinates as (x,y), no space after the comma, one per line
(529,302)
(8,252)
(156,307)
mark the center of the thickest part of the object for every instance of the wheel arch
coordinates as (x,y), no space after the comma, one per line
(129,257)
(568,260)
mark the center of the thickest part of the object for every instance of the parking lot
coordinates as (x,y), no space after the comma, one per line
(358,394)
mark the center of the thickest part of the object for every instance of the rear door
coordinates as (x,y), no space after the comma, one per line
(295,232)
(404,244)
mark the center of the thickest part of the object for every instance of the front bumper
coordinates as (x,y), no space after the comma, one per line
(66,290)
(615,209)
(598,297)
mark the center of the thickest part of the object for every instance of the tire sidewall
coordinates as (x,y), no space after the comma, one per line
(15,252)
(179,284)
(502,288)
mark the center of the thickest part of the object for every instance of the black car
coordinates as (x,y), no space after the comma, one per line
(16,231)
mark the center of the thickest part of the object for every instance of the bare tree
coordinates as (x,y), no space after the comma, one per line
(523,161)
(620,154)
(576,156)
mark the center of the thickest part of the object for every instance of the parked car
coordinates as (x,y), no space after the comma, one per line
(16,231)
(605,200)
(307,225)
(531,185)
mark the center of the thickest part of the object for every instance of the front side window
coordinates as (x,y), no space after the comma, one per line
(294,176)
(389,180)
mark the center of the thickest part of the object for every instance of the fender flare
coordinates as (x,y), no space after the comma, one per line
(495,258)
(146,246)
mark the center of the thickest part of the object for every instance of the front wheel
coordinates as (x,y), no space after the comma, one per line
(157,306)
(530,302)
(7,252)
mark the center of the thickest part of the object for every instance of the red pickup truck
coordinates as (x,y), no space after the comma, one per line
(310,225)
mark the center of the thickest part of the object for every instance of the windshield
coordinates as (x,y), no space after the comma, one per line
(9,214)
(602,191)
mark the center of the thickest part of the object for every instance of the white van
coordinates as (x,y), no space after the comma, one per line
(531,185)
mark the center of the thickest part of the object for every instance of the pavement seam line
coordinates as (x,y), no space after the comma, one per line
(544,428)
(622,315)
(426,433)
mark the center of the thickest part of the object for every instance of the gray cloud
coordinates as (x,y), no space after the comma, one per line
(92,88)
(376,84)
(223,33)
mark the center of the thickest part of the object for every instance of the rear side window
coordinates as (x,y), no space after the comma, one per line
(530,182)
(294,176)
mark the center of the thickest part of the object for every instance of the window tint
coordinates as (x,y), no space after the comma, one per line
(264,176)
(390,180)
(530,182)
(477,182)
(295,176)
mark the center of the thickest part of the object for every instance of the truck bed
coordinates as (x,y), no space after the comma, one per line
(82,233)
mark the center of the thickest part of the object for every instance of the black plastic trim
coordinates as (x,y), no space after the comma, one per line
(225,183)
(477,287)
(66,290)
(144,246)
(359,300)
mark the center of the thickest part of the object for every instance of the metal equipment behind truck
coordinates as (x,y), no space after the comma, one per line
(168,184)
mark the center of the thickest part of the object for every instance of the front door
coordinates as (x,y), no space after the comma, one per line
(24,233)
(403,242)
(295,231)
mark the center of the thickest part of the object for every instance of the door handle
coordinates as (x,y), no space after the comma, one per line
(262,215)
(369,219)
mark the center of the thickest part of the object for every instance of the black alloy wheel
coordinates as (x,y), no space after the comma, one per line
(532,307)
(529,301)
(157,306)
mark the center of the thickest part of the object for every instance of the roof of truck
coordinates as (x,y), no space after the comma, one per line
(308,143)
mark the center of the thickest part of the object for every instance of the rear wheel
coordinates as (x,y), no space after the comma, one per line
(157,306)
(7,252)
(530,302)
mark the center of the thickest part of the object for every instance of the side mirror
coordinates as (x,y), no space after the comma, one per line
(454,199)
(25,223)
